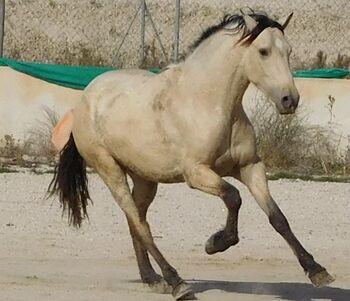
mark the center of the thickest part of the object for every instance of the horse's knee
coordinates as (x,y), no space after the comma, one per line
(231,196)
(279,222)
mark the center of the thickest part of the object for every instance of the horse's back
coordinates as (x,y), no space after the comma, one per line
(113,95)
(117,79)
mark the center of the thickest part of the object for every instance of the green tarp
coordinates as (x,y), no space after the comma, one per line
(78,77)
(322,73)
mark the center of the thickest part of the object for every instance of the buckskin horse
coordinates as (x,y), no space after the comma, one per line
(186,124)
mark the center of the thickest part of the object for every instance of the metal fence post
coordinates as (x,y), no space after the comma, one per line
(2,25)
(177,31)
(143,26)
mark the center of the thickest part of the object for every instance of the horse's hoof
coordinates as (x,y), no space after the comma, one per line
(183,291)
(321,279)
(160,286)
(219,242)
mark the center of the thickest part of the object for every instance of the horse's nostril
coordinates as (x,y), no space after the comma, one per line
(285,98)
(287,102)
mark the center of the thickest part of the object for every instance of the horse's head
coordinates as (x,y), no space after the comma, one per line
(266,62)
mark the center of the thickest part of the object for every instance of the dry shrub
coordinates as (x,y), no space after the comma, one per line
(342,61)
(347,156)
(36,147)
(153,57)
(10,147)
(320,60)
(289,143)
(38,143)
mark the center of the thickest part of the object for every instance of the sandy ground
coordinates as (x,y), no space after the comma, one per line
(41,258)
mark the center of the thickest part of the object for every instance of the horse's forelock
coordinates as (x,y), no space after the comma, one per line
(263,22)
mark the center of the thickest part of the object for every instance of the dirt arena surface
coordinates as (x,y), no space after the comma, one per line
(41,258)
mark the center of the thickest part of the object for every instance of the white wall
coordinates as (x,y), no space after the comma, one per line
(22,99)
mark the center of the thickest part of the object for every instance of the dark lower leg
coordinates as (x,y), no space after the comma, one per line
(306,260)
(169,273)
(227,237)
(254,177)
(143,194)
(181,290)
(147,273)
(232,200)
(202,177)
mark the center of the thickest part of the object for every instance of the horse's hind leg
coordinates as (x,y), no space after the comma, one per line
(143,194)
(115,178)
(203,178)
(255,178)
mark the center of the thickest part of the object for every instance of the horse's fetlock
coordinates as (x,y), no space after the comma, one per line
(171,276)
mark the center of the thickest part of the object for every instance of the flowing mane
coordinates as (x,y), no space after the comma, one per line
(235,23)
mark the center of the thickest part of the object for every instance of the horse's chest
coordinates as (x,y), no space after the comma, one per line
(243,144)
(241,154)
(214,142)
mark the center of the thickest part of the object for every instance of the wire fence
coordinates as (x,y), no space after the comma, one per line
(144,33)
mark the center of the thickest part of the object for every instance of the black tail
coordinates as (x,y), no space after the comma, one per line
(70,183)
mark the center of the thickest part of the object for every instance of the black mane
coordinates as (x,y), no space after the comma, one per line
(238,20)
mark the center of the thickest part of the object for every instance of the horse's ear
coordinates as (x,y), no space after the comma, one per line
(250,22)
(285,24)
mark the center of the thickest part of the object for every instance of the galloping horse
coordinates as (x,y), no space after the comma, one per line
(186,124)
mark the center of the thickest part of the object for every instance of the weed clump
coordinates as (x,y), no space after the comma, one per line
(290,143)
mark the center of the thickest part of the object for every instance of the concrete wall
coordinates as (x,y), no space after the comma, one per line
(22,99)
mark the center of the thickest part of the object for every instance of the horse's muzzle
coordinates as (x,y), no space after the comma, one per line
(288,104)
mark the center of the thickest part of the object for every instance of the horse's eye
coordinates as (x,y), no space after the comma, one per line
(263,52)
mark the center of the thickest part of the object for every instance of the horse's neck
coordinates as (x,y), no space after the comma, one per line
(214,73)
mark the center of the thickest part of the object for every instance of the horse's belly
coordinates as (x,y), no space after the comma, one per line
(160,173)
(158,165)
(142,147)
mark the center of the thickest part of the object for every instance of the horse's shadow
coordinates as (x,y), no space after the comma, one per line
(284,291)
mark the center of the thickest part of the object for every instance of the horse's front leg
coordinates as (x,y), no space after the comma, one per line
(254,177)
(205,179)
